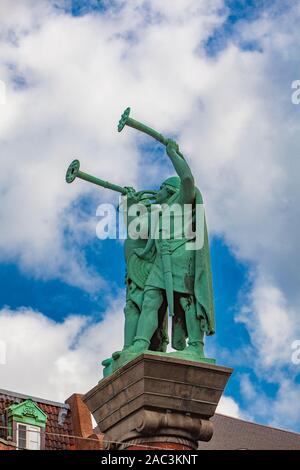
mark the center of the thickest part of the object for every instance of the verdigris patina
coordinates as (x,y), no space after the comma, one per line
(167,268)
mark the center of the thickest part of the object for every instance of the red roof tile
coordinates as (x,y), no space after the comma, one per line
(58,426)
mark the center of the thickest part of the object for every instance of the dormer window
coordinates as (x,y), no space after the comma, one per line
(28,437)
(26,423)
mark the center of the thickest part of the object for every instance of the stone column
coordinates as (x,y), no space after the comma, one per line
(159,402)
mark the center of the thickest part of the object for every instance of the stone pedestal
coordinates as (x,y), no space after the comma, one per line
(158,401)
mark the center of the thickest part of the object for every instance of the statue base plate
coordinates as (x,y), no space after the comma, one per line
(123,357)
(158,398)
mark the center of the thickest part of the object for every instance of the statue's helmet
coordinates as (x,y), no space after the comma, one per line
(173,182)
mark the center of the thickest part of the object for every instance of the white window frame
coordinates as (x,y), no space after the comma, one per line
(29,432)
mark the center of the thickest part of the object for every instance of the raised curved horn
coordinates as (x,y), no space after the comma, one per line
(74,172)
(128,121)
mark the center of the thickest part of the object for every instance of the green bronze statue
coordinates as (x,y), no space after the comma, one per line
(163,271)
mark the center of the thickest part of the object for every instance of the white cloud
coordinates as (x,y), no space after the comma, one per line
(271,323)
(79,74)
(229,407)
(247,389)
(286,407)
(280,410)
(53,360)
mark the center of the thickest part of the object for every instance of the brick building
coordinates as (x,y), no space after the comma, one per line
(34,423)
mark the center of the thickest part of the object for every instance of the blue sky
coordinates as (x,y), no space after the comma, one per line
(82,277)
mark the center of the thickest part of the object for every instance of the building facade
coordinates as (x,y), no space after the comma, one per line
(37,424)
